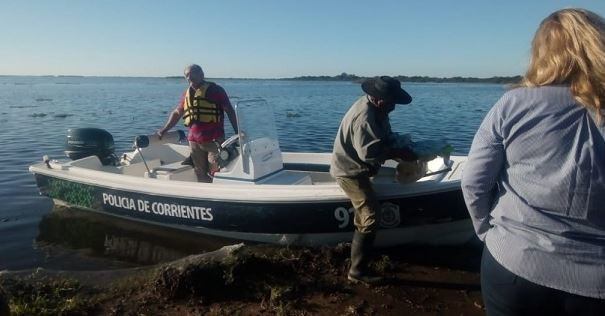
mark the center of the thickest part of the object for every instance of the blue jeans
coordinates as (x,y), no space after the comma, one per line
(505,293)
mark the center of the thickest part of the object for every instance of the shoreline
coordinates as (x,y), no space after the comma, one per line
(340,78)
(261,279)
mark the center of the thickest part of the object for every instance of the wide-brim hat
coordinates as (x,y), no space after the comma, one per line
(386,87)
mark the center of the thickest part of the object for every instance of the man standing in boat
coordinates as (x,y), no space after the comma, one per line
(360,148)
(202,106)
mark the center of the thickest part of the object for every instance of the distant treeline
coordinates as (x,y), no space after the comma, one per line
(350,77)
(354,78)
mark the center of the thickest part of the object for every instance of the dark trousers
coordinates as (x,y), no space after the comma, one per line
(505,293)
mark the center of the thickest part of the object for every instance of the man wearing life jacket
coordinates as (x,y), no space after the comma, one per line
(202,106)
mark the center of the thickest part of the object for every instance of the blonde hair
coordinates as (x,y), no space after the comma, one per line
(569,49)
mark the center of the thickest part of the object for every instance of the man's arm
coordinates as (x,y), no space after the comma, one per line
(370,145)
(173,118)
(217,95)
(231,115)
(220,96)
(405,154)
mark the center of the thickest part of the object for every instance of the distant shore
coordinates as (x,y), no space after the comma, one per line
(342,77)
(354,78)
(427,79)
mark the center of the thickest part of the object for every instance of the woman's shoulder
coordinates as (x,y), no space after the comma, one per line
(532,96)
(542,91)
(526,102)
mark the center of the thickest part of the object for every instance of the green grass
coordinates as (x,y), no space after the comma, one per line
(51,297)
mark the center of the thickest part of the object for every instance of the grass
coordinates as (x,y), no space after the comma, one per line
(48,297)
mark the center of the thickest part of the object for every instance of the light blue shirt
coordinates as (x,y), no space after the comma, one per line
(534,185)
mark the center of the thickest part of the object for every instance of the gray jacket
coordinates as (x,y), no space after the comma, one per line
(361,144)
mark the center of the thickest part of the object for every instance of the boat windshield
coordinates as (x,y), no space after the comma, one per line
(255,121)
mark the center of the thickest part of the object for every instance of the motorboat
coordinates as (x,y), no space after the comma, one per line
(259,193)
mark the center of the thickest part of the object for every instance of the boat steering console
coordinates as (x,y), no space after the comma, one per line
(227,151)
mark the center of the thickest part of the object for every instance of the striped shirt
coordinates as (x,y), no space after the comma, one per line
(534,185)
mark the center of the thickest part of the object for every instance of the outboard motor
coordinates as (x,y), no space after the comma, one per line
(84,142)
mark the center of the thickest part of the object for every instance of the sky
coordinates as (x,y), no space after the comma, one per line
(272,38)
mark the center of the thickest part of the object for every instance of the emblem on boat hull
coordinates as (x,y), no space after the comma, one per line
(389,215)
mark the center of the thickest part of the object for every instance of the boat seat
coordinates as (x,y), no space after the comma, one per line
(90,162)
(288,177)
(172,167)
(173,171)
(139,168)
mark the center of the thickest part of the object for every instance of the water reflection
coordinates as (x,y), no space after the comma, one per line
(449,111)
(85,234)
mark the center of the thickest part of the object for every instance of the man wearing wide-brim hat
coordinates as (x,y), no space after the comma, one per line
(360,148)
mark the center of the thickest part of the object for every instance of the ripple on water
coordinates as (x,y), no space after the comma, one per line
(132,106)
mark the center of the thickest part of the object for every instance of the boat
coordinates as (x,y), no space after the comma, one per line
(259,194)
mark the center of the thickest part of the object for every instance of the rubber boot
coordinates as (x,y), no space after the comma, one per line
(360,254)
(188,161)
(4,308)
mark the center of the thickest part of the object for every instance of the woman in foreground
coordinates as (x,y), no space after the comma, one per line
(534,182)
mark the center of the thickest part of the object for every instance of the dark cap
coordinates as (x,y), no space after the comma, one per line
(386,87)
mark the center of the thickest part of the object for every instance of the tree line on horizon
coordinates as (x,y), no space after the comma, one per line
(351,77)
(354,78)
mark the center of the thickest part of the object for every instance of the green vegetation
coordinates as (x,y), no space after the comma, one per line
(350,77)
(342,77)
(48,297)
(258,280)
(354,78)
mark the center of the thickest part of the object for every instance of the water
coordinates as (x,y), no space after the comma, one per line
(35,113)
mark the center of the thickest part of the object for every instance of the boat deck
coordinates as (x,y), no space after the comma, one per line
(294,173)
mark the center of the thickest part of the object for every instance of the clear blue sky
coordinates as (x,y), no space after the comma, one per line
(272,38)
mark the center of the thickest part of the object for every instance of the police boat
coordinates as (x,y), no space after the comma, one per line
(260,194)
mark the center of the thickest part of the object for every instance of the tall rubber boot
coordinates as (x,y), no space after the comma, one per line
(360,254)
(4,308)
(188,161)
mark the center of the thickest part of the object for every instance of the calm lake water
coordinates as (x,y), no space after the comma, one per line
(35,113)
